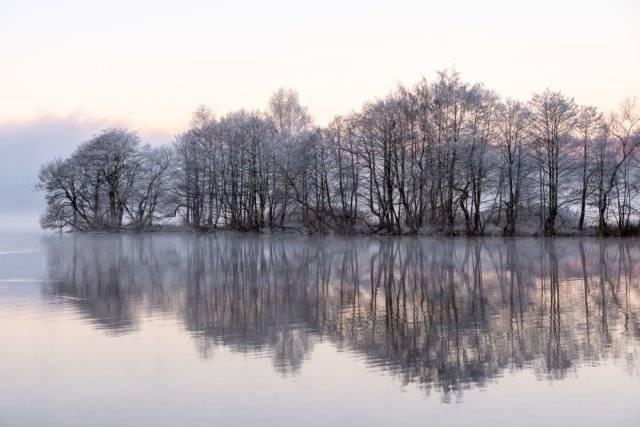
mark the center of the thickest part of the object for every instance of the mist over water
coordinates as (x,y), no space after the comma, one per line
(159,329)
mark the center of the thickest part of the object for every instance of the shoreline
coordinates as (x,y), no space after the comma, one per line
(301,232)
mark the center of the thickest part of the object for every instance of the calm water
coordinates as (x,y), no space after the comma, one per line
(168,330)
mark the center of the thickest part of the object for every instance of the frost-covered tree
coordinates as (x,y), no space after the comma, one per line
(551,122)
(443,156)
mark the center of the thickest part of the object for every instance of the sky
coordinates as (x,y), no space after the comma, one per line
(70,68)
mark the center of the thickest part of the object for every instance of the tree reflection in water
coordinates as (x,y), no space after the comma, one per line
(447,314)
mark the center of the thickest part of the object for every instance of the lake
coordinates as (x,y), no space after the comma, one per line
(287,330)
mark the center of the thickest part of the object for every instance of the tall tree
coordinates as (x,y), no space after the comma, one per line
(551,121)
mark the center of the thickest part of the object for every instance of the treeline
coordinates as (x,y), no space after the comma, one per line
(440,157)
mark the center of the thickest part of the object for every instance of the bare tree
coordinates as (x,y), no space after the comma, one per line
(589,122)
(551,121)
(511,141)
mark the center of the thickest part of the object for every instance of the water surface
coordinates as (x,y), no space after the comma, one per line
(227,329)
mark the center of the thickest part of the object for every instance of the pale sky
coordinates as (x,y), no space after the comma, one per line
(149,64)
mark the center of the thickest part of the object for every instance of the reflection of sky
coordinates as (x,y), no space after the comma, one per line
(58,370)
(22,257)
(61,365)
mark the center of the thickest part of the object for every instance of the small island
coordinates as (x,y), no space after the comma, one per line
(443,157)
